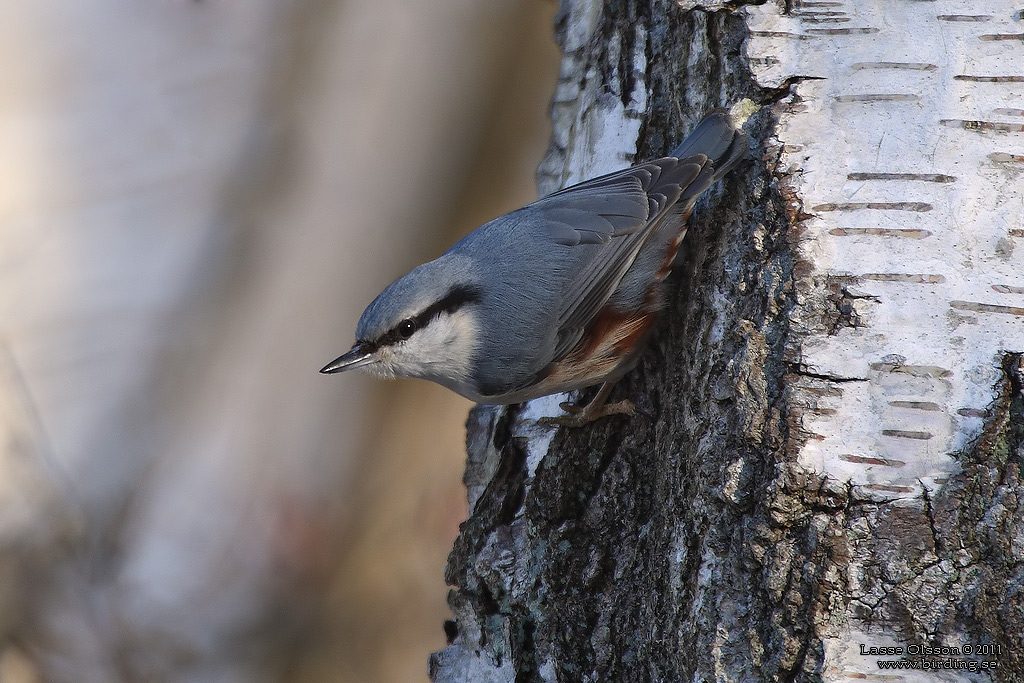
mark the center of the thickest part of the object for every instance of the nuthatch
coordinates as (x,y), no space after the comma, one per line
(558,295)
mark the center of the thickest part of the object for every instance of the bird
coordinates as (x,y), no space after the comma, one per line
(556,296)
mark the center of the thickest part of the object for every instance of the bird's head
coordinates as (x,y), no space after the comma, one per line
(425,325)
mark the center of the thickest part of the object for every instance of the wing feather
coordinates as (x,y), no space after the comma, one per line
(610,218)
(618,212)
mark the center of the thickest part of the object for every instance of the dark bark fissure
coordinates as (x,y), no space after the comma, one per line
(618,24)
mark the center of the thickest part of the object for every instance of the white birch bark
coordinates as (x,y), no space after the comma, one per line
(905,155)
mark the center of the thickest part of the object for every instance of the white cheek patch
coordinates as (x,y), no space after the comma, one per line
(442,350)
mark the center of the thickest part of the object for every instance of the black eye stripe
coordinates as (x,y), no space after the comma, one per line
(451,302)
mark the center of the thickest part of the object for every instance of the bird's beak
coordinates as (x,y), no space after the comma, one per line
(356,357)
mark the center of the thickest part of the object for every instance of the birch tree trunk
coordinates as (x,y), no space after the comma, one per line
(827,455)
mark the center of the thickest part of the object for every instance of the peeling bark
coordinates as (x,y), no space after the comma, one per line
(715,536)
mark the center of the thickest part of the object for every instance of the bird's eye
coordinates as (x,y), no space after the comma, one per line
(406,328)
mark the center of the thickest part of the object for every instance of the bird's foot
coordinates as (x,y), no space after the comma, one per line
(582,415)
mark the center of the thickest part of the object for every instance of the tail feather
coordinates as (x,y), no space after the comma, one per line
(717,138)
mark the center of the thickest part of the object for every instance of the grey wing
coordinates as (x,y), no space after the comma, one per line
(617,211)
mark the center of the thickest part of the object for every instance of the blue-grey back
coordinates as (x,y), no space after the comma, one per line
(527,273)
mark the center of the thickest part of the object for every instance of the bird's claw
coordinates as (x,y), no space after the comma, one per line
(571,408)
(580,416)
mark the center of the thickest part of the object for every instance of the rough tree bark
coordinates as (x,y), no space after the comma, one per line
(831,419)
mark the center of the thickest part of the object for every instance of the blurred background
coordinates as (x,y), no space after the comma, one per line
(197,199)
